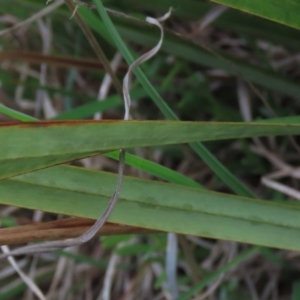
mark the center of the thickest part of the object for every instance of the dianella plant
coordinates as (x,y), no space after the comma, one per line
(149,149)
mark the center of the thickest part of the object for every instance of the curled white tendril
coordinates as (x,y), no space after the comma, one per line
(146,56)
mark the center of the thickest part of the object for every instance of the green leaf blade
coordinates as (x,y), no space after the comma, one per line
(285,12)
(59,142)
(154,205)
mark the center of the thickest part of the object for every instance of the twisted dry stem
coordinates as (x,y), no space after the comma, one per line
(89,234)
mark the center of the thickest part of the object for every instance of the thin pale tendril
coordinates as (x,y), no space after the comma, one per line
(146,56)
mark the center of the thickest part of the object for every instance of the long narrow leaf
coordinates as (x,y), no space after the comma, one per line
(154,205)
(285,12)
(155,169)
(36,145)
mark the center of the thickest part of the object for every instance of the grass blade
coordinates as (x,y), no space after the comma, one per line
(284,12)
(158,206)
(59,142)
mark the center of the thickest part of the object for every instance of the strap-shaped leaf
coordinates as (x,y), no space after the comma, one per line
(32,146)
(79,192)
(285,12)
